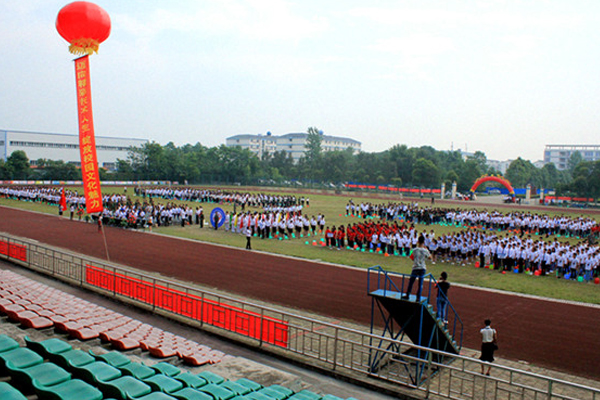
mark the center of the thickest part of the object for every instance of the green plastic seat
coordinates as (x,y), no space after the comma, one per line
(72,358)
(253,386)
(190,380)
(48,348)
(8,392)
(189,393)
(124,388)
(217,392)
(113,358)
(7,343)
(331,397)
(137,370)
(166,369)
(236,388)
(68,390)
(163,383)
(95,372)
(47,374)
(156,396)
(306,395)
(276,392)
(257,396)
(19,358)
(211,377)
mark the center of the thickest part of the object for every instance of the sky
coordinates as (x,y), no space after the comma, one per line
(502,77)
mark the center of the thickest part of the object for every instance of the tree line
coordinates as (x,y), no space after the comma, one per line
(399,166)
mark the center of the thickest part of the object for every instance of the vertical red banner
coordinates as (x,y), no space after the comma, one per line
(87,141)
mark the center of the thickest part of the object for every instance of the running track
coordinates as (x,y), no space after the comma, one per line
(549,334)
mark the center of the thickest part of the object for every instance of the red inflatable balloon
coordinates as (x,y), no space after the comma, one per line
(84,25)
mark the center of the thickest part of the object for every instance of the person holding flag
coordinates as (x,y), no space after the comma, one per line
(62,205)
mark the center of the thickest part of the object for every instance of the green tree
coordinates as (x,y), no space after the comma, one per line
(426,173)
(4,172)
(313,153)
(573,161)
(470,172)
(521,172)
(56,170)
(18,164)
(450,178)
(481,160)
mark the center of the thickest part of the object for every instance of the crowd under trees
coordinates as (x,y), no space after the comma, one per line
(399,166)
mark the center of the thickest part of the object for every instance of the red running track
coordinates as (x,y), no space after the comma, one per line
(549,334)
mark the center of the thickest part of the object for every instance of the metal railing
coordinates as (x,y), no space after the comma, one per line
(330,347)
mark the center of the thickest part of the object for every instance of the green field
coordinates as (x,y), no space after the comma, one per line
(333,207)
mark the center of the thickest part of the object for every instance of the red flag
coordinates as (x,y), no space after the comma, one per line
(63,201)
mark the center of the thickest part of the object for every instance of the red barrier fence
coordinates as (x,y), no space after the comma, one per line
(234,319)
(13,250)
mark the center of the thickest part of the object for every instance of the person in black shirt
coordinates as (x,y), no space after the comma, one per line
(442,297)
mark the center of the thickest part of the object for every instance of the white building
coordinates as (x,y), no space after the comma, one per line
(559,154)
(57,146)
(291,143)
(257,144)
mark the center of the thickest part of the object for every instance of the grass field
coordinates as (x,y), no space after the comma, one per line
(333,207)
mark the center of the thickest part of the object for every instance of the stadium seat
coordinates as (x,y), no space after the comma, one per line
(163,383)
(46,373)
(257,396)
(124,388)
(236,388)
(113,358)
(156,396)
(49,347)
(211,377)
(331,397)
(20,358)
(190,380)
(7,343)
(72,358)
(137,370)
(68,390)
(189,393)
(305,395)
(253,386)
(216,391)
(276,392)
(166,369)
(95,372)
(8,392)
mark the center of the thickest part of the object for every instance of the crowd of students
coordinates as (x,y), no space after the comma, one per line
(518,253)
(393,234)
(524,222)
(242,199)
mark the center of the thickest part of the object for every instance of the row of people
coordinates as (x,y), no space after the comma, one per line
(271,224)
(243,199)
(525,222)
(505,253)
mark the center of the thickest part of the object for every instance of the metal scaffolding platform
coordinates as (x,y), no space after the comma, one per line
(406,317)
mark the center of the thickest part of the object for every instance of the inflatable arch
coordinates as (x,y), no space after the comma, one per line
(500,180)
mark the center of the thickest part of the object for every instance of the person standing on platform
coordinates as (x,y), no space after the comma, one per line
(489,344)
(419,255)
